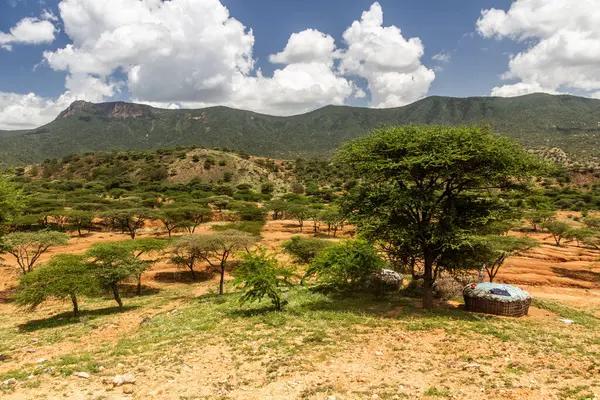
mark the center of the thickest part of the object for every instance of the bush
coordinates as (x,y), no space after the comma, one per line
(348,265)
(260,275)
(252,213)
(304,250)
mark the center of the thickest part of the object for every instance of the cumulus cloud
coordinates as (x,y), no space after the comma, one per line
(305,47)
(390,63)
(565,45)
(192,53)
(24,111)
(29,31)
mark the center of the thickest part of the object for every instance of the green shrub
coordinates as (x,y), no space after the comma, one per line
(251,212)
(304,250)
(347,265)
(260,275)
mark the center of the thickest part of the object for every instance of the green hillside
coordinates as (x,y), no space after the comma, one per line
(539,120)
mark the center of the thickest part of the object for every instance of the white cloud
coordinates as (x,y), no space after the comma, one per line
(48,15)
(192,53)
(565,44)
(307,46)
(28,31)
(390,64)
(442,57)
(24,111)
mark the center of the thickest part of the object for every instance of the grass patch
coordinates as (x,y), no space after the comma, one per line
(580,317)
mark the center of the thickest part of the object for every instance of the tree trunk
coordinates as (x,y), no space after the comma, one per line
(115,289)
(428,284)
(222,281)
(132,233)
(79,230)
(138,290)
(193,273)
(75,306)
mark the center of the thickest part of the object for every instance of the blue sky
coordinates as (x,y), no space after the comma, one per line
(180,54)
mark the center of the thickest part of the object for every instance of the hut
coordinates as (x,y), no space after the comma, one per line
(496,298)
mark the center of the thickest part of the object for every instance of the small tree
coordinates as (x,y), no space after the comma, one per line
(112,264)
(194,216)
(140,247)
(172,218)
(580,235)
(216,249)
(27,247)
(300,213)
(347,265)
(65,276)
(186,253)
(558,230)
(334,219)
(131,219)
(539,218)
(81,220)
(278,207)
(260,275)
(486,253)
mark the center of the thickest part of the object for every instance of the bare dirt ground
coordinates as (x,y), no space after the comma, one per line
(180,343)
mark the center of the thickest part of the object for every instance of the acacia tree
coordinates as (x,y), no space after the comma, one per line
(300,213)
(130,220)
(80,219)
(28,247)
(539,218)
(194,216)
(172,218)
(140,247)
(558,229)
(431,186)
(65,276)
(112,264)
(334,219)
(215,249)
(486,253)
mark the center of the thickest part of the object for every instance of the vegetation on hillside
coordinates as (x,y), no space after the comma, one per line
(537,120)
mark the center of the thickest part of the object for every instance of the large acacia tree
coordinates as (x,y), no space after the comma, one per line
(426,188)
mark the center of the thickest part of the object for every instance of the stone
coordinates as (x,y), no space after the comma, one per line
(375,397)
(9,382)
(120,380)
(128,389)
(41,360)
(331,398)
(386,280)
(379,353)
(83,375)
(4,357)
(31,350)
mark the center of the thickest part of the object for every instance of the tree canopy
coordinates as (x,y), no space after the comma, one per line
(65,276)
(27,247)
(425,188)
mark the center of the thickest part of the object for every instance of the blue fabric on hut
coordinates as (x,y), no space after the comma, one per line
(496,291)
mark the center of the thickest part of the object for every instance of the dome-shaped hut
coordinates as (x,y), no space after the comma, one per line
(496,298)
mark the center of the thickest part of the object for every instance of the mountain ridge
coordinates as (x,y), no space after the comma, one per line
(536,120)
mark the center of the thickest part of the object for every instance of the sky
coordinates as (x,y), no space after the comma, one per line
(288,57)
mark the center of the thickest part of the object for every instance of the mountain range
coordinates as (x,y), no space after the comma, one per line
(538,121)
